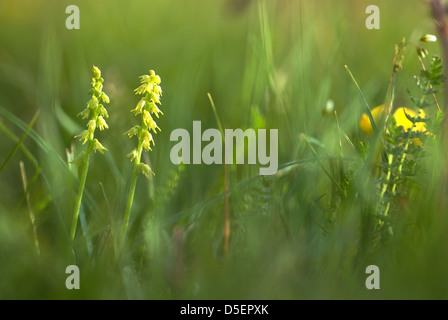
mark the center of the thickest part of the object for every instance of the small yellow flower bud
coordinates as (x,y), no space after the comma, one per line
(147,119)
(80,159)
(149,87)
(105,98)
(329,107)
(84,114)
(147,138)
(154,110)
(91,125)
(158,89)
(422,52)
(155,97)
(133,154)
(96,73)
(102,123)
(86,135)
(152,73)
(141,89)
(93,103)
(133,131)
(146,170)
(144,79)
(99,86)
(138,109)
(103,111)
(98,146)
(153,125)
(428,38)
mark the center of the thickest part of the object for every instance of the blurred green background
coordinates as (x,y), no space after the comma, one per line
(267,64)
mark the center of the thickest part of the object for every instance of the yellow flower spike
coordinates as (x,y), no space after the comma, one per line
(96,112)
(377,114)
(151,91)
(102,123)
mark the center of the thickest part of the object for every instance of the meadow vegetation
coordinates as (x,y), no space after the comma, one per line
(360,164)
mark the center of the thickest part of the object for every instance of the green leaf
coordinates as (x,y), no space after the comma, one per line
(419,102)
(364,100)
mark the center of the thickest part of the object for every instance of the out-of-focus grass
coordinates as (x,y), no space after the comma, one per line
(281,60)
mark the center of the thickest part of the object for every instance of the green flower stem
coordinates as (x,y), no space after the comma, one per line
(384,189)
(82,183)
(394,186)
(135,174)
(151,91)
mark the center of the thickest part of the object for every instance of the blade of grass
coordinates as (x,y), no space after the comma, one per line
(33,135)
(30,207)
(364,100)
(16,139)
(48,149)
(85,231)
(313,151)
(20,142)
(226,231)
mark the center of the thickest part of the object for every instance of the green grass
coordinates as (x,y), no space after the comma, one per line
(303,233)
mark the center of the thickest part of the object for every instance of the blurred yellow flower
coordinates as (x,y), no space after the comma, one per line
(400,119)
(377,114)
(403,121)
